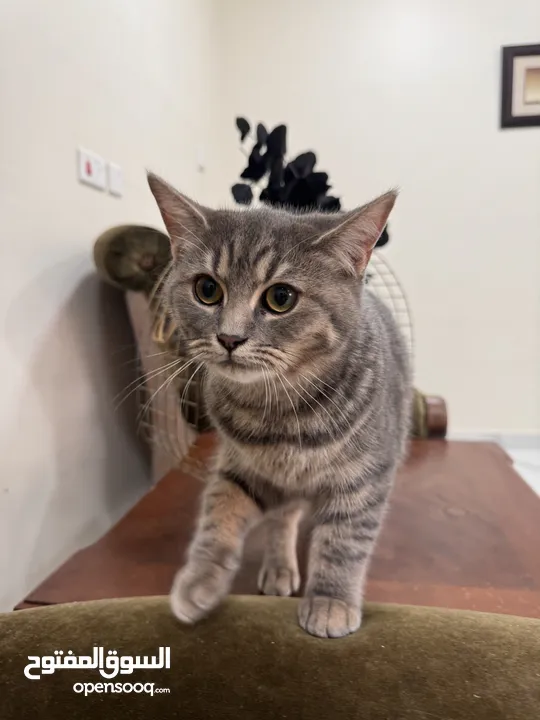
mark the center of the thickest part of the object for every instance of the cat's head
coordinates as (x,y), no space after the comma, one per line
(264,289)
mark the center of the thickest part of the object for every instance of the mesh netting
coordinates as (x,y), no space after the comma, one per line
(382,282)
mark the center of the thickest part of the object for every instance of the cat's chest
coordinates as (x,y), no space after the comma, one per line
(265,447)
(290,468)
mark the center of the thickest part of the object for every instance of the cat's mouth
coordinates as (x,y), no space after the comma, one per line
(234,363)
(237,369)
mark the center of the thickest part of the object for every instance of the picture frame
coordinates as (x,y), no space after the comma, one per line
(520,86)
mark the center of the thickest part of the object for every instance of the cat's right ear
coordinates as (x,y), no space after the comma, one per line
(183,218)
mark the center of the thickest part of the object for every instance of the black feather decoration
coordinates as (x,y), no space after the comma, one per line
(293,184)
(244,127)
(242,193)
(328,203)
(275,178)
(384,238)
(276,142)
(262,134)
(303,165)
(256,168)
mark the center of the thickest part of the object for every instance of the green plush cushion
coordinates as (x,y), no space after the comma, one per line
(251,660)
(132,257)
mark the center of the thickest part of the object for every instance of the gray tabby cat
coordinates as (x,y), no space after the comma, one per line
(308,386)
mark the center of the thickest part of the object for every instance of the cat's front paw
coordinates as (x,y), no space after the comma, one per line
(327,617)
(197,589)
(278,580)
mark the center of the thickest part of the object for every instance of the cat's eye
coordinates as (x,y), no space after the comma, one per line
(207,290)
(279,298)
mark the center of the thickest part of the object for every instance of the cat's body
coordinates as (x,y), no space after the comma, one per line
(311,401)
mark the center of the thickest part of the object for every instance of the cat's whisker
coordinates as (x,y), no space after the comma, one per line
(287,358)
(347,420)
(331,387)
(279,377)
(165,384)
(198,239)
(265,371)
(188,383)
(274,386)
(160,281)
(146,407)
(152,355)
(140,381)
(272,351)
(310,238)
(270,374)
(124,348)
(138,359)
(295,390)
(265,357)
(332,419)
(194,344)
(308,403)
(277,353)
(265,394)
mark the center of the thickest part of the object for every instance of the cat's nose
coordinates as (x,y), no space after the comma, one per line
(231,342)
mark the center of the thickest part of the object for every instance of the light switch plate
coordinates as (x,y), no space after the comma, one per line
(91,169)
(116,179)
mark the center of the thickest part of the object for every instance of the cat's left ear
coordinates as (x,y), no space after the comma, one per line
(183,218)
(353,236)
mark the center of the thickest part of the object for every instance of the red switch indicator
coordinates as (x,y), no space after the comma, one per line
(91,168)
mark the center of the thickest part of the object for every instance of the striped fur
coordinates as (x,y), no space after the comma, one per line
(312,409)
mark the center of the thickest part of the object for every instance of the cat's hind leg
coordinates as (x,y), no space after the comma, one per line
(279,573)
(342,543)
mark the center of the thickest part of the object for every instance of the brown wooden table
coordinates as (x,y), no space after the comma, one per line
(463,532)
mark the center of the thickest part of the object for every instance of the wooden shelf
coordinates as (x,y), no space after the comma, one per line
(463,531)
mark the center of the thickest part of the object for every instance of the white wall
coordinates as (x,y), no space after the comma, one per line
(132,80)
(407,93)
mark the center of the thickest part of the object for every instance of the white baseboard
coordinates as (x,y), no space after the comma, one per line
(516,441)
